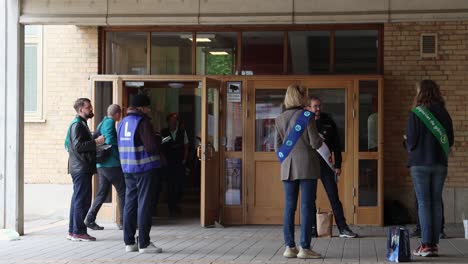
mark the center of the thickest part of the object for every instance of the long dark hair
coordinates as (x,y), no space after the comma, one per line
(429,94)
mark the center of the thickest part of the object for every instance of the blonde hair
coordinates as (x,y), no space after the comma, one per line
(295,96)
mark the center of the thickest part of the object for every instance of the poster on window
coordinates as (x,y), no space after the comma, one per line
(234,92)
(267,111)
(233,181)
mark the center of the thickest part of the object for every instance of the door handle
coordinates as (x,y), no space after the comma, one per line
(210,151)
(199,152)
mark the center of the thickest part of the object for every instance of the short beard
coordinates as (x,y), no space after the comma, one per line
(89,116)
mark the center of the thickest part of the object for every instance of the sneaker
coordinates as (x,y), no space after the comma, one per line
(120,226)
(305,253)
(416,233)
(93,225)
(314,232)
(70,236)
(435,250)
(82,237)
(290,252)
(423,250)
(131,248)
(150,249)
(346,232)
(443,235)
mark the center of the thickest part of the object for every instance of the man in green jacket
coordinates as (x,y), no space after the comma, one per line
(109,170)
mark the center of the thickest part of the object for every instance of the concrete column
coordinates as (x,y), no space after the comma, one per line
(11,117)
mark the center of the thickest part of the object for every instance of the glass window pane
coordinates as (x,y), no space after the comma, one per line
(356,51)
(213,118)
(262,52)
(216,53)
(233,181)
(309,52)
(234,117)
(30,78)
(31,30)
(171,53)
(126,53)
(368,182)
(368,115)
(333,104)
(268,105)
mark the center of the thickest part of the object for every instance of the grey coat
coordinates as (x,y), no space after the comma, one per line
(303,161)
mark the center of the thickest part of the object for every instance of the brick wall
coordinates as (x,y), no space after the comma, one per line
(70,57)
(403,68)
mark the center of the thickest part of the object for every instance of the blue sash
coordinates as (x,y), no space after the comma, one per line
(299,127)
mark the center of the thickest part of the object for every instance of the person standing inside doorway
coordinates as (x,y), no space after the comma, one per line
(296,141)
(327,128)
(176,154)
(139,156)
(109,170)
(81,148)
(429,133)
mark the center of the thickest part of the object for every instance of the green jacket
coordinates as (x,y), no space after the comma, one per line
(110,133)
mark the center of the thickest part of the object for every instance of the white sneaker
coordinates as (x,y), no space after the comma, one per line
(131,248)
(308,254)
(150,249)
(290,252)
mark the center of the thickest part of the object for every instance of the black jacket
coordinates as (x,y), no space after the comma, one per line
(422,146)
(174,149)
(81,149)
(327,127)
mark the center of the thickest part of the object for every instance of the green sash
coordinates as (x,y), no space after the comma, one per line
(433,125)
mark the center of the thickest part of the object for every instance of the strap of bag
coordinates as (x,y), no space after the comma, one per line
(299,127)
(434,126)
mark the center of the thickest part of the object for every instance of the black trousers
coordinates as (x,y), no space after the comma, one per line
(107,178)
(327,177)
(80,202)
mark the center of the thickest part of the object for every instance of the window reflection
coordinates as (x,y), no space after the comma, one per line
(126,53)
(234,117)
(368,182)
(309,52)
(216,53)
(368,115)
(171,53)
(262,52)
(356,51)
(233,181)
(268,105)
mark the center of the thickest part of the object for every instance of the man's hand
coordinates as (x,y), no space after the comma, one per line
(100,140)
(338,174)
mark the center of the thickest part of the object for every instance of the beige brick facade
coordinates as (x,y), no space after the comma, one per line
(403,67)
(70,57)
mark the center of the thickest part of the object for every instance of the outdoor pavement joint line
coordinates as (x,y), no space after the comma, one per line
(456,248)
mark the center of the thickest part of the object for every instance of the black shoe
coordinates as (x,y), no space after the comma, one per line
(416,233)
(314,232)
(346,232)
(93,226)
(443,235)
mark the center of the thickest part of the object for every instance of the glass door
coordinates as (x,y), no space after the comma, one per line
(209,153)
(105,91)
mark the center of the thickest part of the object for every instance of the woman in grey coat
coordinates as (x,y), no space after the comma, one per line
(299,169)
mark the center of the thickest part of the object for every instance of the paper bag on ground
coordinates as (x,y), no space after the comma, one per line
(324,224)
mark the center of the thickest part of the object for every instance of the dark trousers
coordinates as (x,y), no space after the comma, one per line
(138,204)
(107,178)
(175,183)
(327,176)
(308,195)
(80,202)
(157,188)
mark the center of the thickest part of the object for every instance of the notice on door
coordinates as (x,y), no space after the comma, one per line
(234,92)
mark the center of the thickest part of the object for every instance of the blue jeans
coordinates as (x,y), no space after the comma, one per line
(328,180)
(80,202)
(137,209)
(309,193)
(428,184)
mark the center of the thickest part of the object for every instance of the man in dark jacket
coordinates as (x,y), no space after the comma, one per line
(81,148)
(139,156)
(327,128)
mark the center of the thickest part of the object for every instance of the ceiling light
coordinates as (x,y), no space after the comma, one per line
(219,53)
(201,39)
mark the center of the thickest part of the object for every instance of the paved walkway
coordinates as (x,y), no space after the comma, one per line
(186,242)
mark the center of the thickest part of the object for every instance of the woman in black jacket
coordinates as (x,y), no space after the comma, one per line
(429,137)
